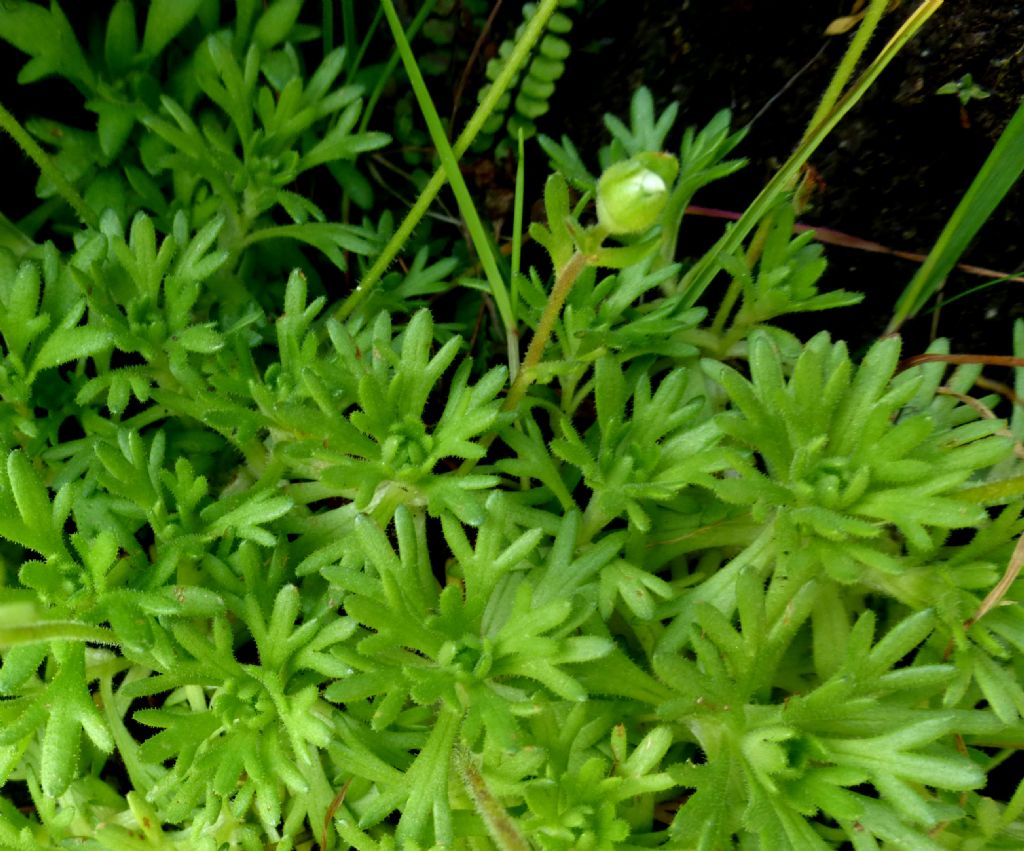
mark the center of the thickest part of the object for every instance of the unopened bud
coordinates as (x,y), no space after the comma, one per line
(632,194)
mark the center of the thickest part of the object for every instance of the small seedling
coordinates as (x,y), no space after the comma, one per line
(965,89)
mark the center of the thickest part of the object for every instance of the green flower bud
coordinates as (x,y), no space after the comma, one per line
(632,194)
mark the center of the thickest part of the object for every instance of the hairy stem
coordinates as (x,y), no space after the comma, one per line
(55,631)
(563,285)
(48,168)
(841,77)
(524,377)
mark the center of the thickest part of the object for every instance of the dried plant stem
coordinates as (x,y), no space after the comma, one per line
(995,596)
(991,360)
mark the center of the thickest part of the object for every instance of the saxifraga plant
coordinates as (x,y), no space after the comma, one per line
(275,576)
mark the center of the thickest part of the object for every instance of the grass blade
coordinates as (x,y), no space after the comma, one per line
(450,164)
(704,270)
(995,178)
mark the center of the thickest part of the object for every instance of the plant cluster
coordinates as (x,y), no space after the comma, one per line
(282,572)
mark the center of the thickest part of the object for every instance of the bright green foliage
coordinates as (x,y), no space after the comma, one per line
(650,454)
(788,272)
(225,140)
(271,579)
(836,464)
(267,123)
(352,418)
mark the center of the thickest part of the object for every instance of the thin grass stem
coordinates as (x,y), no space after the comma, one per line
(509,72)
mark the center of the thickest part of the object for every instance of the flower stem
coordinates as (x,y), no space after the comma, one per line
(559,292)
(524,377)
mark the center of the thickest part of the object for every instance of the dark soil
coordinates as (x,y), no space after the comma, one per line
(893,170)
